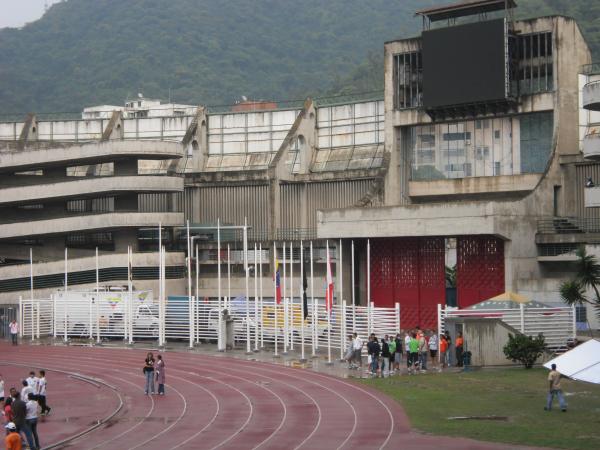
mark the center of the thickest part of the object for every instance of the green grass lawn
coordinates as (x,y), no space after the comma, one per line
(518,394)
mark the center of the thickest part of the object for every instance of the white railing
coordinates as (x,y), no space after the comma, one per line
(133,317)
(35,318)
(556,324)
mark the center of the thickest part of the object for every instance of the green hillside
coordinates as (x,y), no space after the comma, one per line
(87,52)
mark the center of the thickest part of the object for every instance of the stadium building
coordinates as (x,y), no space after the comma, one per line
(476,157)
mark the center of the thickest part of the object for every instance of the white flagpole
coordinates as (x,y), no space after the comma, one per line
(97,299)
(275,305)
(220,338)
(246,270)
(327,311)
(315,316)
(130,289)
(285,305)
(31,274)
(164,292)
(66,289)
(197,295)
(256,336)
(189,270)
(302,293)
(342,316)
(161,317)
(368,272)
(260,277)
(291,317)
(229,273)
(353,293)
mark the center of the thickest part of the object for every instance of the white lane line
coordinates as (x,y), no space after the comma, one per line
(127,360)
(169,427)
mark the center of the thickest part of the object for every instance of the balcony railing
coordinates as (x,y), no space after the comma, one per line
(568,225)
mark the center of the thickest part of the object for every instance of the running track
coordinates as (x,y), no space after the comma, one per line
(211,403)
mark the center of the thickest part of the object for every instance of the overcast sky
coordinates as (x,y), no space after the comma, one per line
(16,13)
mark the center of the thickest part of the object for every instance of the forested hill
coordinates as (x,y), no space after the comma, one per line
(88,52)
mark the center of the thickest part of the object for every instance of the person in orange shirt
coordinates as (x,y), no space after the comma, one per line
(459,350)
(443,351)
(13,438)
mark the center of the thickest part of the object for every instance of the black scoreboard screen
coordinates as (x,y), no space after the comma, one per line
(464,64)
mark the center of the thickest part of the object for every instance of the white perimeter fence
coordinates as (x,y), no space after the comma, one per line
(556,324)
(138,316)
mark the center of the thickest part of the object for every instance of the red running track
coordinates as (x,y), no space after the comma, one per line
(212,402)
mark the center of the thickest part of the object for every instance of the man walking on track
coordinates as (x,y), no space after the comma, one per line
(41,393)
(555,389)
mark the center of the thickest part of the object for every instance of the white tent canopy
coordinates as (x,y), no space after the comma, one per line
(582,363)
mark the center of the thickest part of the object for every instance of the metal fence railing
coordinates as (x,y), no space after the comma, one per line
(558,324)
(137,316)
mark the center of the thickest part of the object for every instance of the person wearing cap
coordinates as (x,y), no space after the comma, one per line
(12,441)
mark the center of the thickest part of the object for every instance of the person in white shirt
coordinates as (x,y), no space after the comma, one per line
(357,345)
(32,381)
(407,349)
(14,331)
(26,390)
(433,348)
(1,388)
(41,393)
(31,417)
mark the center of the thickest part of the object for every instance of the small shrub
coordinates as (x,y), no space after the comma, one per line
(524,349)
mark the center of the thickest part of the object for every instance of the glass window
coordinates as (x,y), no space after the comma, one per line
(474,149)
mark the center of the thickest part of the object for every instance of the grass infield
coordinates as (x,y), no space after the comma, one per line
(516,394)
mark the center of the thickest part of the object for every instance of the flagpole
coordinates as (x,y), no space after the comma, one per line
(327,307)
(353,293)
(255,301)
(312,300)
(66,289)
(291,315)
(160,308)
(342,316)
(285,310)
(97,299)
(220,344)
(189,270)
(260,277)
(130,289)
(164,292)
(229,272)
(197,294)
(275,305)
(302,294)
(246,270)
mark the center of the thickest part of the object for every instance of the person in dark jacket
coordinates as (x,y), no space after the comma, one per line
(374,349)
(398,352)
(385,357)
(19,413)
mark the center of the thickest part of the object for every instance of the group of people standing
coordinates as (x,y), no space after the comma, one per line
(385,355)
(21,410)
(154,370)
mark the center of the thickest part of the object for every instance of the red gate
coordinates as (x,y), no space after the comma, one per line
(479,269)
(409,271)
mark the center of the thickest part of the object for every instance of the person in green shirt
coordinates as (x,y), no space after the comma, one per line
(413,347)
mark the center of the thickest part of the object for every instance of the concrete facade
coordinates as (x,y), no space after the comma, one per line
(339,172)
